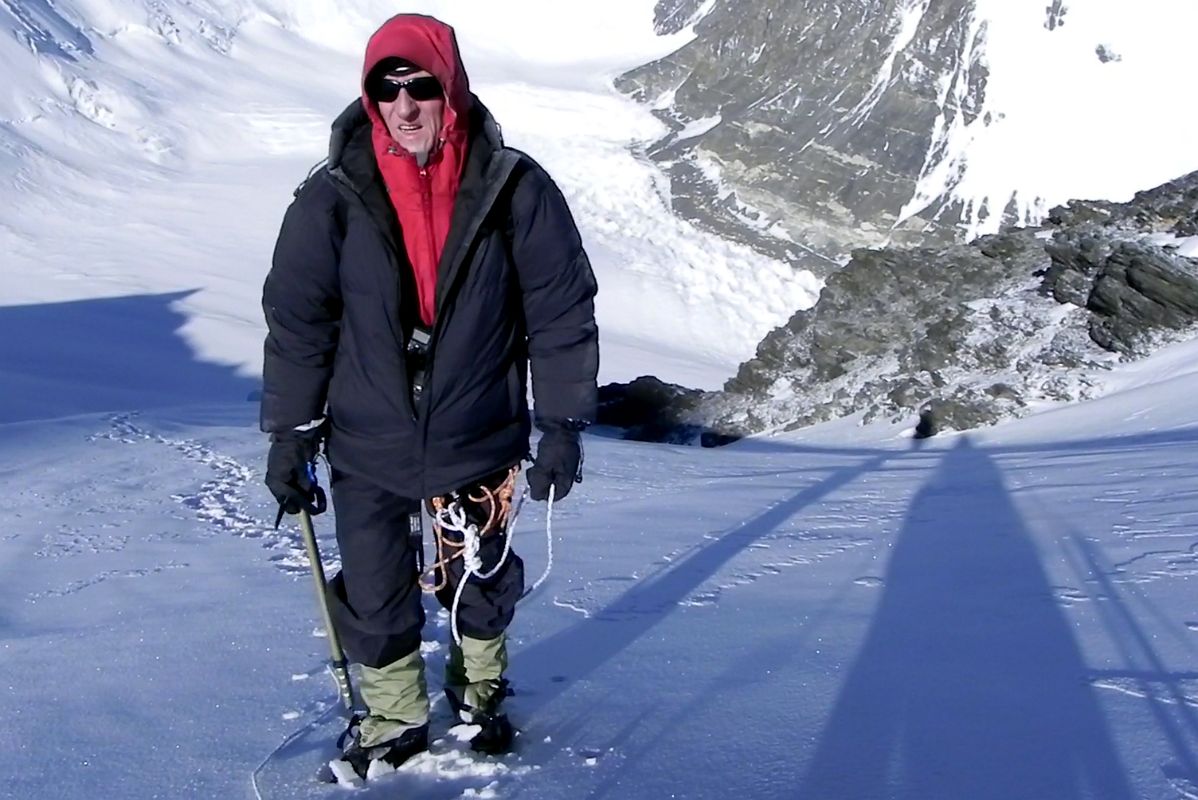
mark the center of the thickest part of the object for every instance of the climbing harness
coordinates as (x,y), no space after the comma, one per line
(451,517)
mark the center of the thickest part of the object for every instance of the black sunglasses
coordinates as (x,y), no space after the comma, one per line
(425,87)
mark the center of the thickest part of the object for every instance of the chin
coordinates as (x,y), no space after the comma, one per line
(415,147)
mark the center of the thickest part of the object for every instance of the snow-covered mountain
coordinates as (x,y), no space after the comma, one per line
(810,128)
(150,147)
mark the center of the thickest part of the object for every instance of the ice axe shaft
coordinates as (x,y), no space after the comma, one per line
(338,665)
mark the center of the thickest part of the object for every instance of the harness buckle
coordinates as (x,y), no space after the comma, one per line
(416,354)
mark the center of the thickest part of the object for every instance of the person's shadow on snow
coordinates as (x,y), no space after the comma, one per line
(969,683)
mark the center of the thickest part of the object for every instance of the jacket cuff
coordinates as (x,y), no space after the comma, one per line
(313,431)
(570,425)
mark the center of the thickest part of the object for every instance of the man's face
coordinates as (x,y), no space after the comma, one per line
(414,124)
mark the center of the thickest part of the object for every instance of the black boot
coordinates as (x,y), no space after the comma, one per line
(497,734)
(392,753)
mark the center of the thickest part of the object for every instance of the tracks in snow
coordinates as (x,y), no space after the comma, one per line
(221,502)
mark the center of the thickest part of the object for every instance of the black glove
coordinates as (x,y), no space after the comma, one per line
(558,464)
(291,472)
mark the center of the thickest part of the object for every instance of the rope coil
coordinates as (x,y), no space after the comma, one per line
(450,515)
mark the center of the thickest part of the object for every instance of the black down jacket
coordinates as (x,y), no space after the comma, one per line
(514,287)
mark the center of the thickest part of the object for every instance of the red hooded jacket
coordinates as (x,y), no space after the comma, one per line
(423,198)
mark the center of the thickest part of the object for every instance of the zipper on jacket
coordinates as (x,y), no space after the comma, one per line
(435,333)
(426,208)
(396,263)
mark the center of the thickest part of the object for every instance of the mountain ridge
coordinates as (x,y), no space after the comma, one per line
(968,334)
(807,129)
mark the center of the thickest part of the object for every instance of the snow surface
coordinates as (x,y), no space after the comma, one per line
(832,613)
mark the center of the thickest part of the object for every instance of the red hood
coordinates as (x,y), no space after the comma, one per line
(428,43)
(423,196)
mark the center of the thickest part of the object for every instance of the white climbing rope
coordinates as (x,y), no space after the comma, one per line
(453,517)
(548,546)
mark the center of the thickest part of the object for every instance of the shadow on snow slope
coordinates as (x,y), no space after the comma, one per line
(1146,673)
(591,643)
(969,682)
(111,354)
(39,26)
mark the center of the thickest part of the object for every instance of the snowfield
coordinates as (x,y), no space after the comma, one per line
(835,613)
(832,614)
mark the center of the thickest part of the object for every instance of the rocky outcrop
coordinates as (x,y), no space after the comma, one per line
(650,410)
(1100,260)
(802,128)
(1133,289)
(1167,209)
(968,334)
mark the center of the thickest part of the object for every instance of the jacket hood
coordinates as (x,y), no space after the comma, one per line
(426,42)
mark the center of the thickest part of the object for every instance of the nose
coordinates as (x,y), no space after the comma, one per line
(405,106)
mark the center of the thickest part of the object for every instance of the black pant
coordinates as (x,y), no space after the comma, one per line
(375,598)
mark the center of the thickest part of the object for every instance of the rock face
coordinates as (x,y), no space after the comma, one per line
(650,410)
(801,128)
(965,335)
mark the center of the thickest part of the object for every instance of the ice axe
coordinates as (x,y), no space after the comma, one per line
(338,665)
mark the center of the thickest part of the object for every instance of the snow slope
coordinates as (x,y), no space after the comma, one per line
(1082,100)
(832,614)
